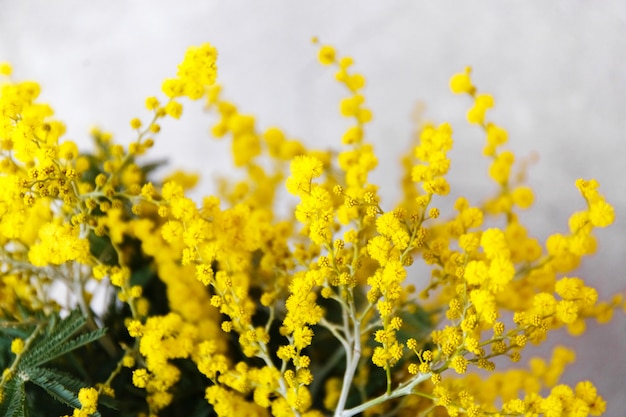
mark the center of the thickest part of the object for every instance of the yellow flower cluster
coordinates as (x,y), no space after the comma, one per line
(311,314)
(161,338)
(195,75)
(506,386)
(88,398)
(39,189)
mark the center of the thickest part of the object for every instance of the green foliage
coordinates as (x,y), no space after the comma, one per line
(48,339)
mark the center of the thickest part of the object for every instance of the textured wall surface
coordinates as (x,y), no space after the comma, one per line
(556,69)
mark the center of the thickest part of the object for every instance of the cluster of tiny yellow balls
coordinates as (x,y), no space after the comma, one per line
(229,256)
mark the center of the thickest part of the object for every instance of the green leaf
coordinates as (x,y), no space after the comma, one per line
(15,399)
(59,385)
(23,311)
(142,276)
(202,409)
(152,166)
(102,248)
(13,332)
(417,324)
(40,375)
(55,342)
(55,335)
(73,344)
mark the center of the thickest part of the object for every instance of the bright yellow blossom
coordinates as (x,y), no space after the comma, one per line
(285,309)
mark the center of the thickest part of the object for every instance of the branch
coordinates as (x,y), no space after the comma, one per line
(400,391)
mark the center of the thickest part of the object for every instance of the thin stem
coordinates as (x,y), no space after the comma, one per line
(270,319)
(281,381)
(116,371)
(79,293)
(353,356)
(388,374)
(366,311)
(268,361)
(18,357)
(402,390)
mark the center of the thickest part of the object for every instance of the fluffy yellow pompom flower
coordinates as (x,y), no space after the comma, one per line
(135,123)
(462,83)
(482,102)
(17,346)
(174,109)
(140,378)
(494,243)
(326,55)
(501,272)
(523,197)
(88,398)
(476,272)
(68,150)
(459,364)
(5,68)
(601,214)
(303,169)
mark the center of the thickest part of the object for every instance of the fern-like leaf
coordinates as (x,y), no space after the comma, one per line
(13,332)
(15,399)
(63,378)
(61,386)
(56,334)
(69,346)
(49,343)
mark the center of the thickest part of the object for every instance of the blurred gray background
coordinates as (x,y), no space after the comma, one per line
(557,70)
